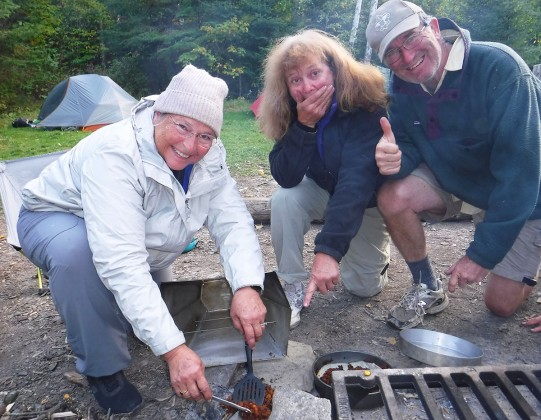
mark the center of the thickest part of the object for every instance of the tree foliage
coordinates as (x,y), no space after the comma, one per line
(77,38)
(141,44)
(25,57)
(512,22)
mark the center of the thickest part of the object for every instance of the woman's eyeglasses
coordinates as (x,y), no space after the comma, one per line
(204,140)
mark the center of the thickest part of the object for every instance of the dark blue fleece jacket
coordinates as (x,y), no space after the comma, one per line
(348,171)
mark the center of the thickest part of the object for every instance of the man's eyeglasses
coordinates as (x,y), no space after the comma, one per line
(204,140)
(393,55)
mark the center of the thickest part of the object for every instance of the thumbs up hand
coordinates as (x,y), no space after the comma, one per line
(388,155)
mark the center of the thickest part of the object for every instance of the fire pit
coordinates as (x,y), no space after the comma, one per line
(201,308)
(360,397)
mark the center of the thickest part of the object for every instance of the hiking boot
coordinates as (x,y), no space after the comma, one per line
(295,296)
(115,393)
(415,303)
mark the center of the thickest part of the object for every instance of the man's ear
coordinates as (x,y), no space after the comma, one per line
(435,26)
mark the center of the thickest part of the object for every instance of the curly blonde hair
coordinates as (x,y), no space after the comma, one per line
(357,85)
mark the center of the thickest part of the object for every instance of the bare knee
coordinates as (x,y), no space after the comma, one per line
(504,296)
(393,197)
(503,309)
(410,194)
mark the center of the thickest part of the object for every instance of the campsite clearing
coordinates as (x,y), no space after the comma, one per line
(35,360)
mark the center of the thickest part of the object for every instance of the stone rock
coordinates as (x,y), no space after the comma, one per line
(293,404)
(292,371)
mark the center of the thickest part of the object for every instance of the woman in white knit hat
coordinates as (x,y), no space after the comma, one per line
(107,220)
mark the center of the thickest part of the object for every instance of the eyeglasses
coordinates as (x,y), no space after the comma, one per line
(204,140)
(393,55)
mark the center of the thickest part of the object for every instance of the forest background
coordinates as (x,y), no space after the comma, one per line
(141,44)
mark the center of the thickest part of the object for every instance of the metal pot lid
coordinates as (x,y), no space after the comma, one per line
(438,349)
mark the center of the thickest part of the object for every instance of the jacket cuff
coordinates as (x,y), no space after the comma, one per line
(306,128)
(329,251)
(169,344)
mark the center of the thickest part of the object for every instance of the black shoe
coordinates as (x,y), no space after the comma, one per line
(115,393)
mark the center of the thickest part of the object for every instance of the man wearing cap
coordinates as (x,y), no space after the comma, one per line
(107,220)
(465,138)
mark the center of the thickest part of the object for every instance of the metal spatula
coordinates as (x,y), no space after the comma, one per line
(249,388)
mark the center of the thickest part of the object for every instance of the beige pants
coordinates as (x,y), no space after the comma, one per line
(363,269)
(454,205)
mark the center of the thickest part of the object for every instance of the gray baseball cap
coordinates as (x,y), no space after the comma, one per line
(390,20)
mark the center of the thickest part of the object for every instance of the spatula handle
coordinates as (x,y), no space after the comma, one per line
(232,404)
(249,367)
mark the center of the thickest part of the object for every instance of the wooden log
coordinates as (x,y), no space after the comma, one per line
(259,208)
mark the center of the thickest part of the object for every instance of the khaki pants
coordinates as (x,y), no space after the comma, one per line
(363,269)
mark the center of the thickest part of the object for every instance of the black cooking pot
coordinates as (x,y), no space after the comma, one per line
(360,398)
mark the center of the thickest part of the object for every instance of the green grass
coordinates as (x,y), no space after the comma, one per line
(22,142)
(247,148)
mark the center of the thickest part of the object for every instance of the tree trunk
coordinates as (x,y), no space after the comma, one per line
(356,18)
(368,52)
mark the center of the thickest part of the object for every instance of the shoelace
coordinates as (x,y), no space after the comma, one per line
(412,300)
(296,295)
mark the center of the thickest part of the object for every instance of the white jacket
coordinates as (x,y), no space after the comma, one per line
(139,219)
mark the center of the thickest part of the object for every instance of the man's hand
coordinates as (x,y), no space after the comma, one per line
(187,374)
(465,271)
(248,314)
(324,277)
(314,107)
(388,155)
(534,322)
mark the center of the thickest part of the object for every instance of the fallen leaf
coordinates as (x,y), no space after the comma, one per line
(392,341)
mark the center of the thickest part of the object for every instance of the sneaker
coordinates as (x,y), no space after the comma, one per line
(415,303)
(115,393)
(295,318)
(295,296)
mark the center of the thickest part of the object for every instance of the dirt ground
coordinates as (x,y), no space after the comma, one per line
(36,362)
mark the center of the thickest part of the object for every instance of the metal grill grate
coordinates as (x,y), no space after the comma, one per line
(497,392)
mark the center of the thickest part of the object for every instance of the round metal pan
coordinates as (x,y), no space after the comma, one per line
(438,349)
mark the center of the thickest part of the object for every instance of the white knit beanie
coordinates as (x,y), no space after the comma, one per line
(195,94)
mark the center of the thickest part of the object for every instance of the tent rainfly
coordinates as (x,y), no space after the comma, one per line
(86,101)
(255,106)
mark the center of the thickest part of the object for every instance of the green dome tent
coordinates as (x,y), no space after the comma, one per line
(86,101)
